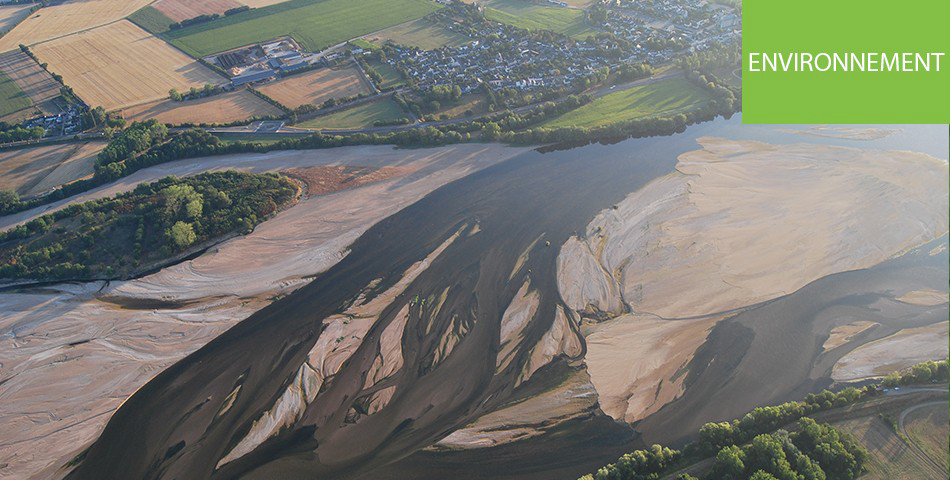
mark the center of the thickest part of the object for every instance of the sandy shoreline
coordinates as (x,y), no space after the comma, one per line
(62,339)
(898,351)
(738,223)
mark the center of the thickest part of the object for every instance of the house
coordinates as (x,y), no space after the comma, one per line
(250,76)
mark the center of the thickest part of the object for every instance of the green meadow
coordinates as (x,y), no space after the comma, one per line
(665,97)
(529,16)
(314,24)
(12,99)
(360,116)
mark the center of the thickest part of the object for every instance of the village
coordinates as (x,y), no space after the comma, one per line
(507,57)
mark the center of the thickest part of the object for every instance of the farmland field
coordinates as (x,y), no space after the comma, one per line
(35,170)
(314,24)
(224,108)
(890,458)
(357,117)
(261,3)
(34,82)
(567,21)
(178,10)
(476,102)
(10,15)
(120,65)
(70,17)
(151,20)
(12,99)
(664,97)
(927,427)
(419,33)
(316,87)
(391,77)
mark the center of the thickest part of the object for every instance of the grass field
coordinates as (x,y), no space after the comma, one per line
(151,20)
(928,427)
(69,17)
(224,108)
(357,117)
(890,458)
(30,79)
(476,102)
(35,170)
(12,99)
(315,24)
(419,33)
(262,139)
(316,87)
(391,77)
(664,97)
(120,65)
(529,16)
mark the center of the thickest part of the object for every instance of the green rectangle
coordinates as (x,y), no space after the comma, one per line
(844,26)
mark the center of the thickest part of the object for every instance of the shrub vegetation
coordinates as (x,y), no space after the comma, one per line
(119,236)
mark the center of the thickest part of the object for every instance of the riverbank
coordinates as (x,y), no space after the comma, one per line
(739,223)
(76,352)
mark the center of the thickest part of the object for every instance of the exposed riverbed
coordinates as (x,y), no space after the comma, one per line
(450,328)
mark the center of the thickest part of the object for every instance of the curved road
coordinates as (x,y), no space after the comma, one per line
(939,469)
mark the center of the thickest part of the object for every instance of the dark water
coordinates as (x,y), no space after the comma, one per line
(170,428)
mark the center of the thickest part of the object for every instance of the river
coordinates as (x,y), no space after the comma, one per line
(499,230)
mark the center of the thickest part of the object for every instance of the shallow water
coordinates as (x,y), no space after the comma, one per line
(171,428)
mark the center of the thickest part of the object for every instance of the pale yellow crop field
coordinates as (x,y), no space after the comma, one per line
(179,10)
(224,108)
(316,87)
(11,14)
(120,65)
(260,3)
(70,17)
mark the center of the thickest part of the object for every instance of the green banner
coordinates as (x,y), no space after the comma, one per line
(845,61)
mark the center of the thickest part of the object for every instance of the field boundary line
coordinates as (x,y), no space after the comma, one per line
(901,427)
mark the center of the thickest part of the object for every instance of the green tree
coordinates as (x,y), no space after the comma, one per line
(182,234)
(730,463)
(8,200)
(182,199)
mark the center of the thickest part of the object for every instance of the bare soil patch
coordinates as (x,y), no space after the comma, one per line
(328,179)
(35,170)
